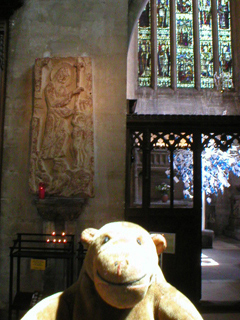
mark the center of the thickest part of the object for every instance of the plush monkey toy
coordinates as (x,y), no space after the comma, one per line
(120,280)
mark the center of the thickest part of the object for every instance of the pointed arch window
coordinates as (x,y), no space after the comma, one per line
(185,44)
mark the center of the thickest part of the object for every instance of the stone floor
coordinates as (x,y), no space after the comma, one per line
(221,280)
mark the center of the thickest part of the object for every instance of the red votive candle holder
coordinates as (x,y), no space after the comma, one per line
(41,190)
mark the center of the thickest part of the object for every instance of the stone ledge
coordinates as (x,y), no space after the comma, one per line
(56,208)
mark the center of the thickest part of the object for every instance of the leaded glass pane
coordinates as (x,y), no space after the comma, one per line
(144,48)
(225,48)
(163,43)
(185,44)
(136,181)
(183,178)
(160,178)
(206,44)
(185,51)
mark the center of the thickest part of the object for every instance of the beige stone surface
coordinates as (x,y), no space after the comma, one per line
(61,29)
(62,155)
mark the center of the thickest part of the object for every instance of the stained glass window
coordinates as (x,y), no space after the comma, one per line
(181,34)
(206,44)
(163,43)
(144,48)
(224,36)
(185,51)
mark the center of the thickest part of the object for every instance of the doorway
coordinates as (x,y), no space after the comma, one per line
(153,145)
(221,246)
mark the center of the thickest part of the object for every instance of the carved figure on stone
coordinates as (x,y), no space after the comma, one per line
(62,127)
(81,121)
(59,99)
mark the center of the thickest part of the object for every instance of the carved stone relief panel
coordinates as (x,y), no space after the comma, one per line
(62,127)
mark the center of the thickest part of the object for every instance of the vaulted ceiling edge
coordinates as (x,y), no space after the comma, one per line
(7,7)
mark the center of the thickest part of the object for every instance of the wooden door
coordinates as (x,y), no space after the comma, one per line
(155,147)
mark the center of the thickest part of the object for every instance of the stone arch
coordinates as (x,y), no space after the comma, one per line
(135,8)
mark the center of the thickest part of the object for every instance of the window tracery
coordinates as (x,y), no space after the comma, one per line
(185,44)
(144,47)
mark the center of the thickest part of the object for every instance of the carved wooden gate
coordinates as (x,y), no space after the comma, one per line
(153,143)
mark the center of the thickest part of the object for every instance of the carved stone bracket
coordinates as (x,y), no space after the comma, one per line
(65,209)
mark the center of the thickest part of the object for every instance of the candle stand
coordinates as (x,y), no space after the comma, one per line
(39,249)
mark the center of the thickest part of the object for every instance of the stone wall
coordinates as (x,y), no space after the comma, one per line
(96,29)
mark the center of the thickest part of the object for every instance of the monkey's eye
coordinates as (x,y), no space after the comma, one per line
(106,239)
(139,241)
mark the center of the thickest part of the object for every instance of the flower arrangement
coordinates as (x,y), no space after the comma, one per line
(163,188)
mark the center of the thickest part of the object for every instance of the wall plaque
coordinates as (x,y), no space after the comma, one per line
(62,128)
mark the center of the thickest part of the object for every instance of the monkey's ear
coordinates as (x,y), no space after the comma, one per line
(160,242)
(87,235)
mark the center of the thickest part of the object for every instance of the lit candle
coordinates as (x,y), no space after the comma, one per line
(41,190)
(53,233)
(63,234)
(64,241)
(59,240)
(54,240)
(48,240)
